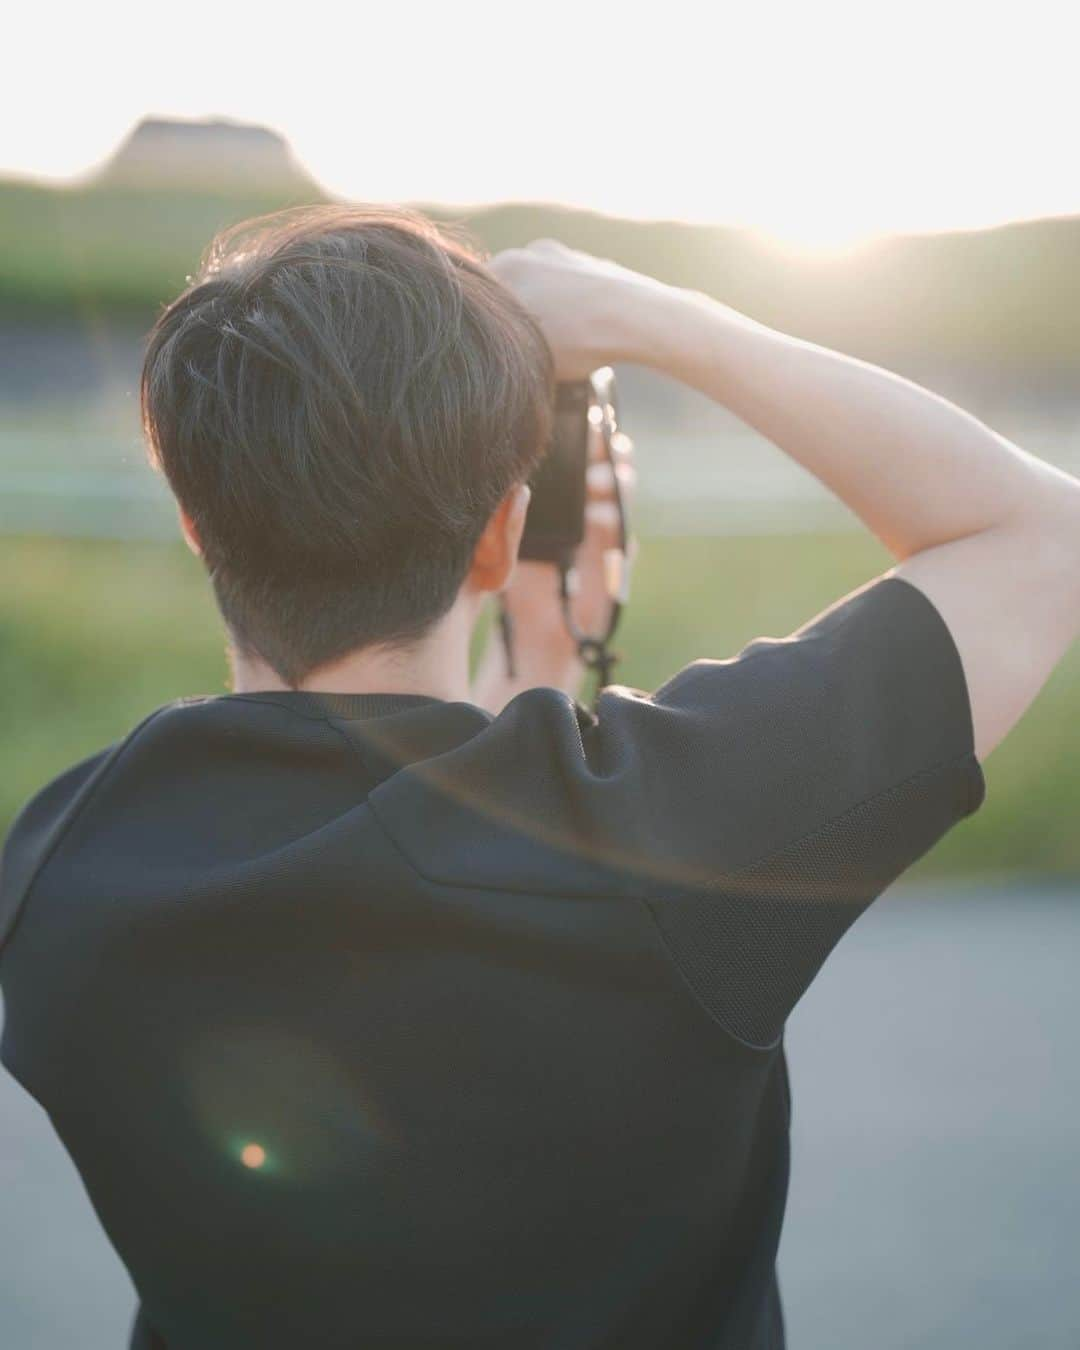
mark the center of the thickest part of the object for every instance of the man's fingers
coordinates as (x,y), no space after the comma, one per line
(622,447)
(602,519)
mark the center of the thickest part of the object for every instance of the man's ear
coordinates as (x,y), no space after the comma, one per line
(187,528)
(497,549)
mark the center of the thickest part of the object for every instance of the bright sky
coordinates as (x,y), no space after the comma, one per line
(818,121)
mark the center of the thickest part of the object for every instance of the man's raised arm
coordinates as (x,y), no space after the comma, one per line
(989,533)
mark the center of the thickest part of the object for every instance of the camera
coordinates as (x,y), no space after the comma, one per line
(555,522)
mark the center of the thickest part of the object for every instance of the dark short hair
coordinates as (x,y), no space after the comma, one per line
(339,401)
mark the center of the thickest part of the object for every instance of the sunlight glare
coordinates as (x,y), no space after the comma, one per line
(811,238)
(797,121)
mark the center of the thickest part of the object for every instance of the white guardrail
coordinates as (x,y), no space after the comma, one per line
(74,480)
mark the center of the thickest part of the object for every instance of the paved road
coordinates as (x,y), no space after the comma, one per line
(936,1196)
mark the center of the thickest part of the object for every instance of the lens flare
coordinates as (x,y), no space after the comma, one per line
(253,1156)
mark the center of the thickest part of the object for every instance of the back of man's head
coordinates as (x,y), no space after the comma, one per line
(339,401)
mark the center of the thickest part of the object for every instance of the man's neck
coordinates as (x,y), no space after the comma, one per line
(437,667)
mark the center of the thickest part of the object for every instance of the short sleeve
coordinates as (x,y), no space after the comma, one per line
(755,806)
(786,788)
(35,832)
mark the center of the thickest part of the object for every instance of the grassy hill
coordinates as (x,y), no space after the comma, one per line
(1005,299)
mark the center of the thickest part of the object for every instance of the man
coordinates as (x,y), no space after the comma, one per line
(380,1009)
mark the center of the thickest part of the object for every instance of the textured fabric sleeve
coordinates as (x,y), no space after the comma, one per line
(40,826)
(785,789)
(36,831)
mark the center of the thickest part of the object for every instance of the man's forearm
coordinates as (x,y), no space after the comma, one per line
(916,469)
(552,663)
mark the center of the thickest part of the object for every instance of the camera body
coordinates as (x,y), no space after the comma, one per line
(555,523)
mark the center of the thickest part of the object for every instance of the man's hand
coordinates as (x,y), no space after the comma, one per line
(590,310)
(544,652)
(592,313)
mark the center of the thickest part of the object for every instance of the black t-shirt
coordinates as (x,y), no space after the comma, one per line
(376,1020)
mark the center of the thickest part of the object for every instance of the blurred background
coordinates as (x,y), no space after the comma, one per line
(899,184)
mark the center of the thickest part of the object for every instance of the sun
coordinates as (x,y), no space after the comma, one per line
(817,237)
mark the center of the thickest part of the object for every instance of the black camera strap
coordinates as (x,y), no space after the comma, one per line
(594,649)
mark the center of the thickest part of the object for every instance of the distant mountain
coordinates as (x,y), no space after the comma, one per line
(214,154)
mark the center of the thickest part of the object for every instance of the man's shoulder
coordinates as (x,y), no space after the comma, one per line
(552,797)
(37,830)
(728,762)
(40,826)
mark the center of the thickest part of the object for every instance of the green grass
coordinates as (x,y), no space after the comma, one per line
(93,635)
